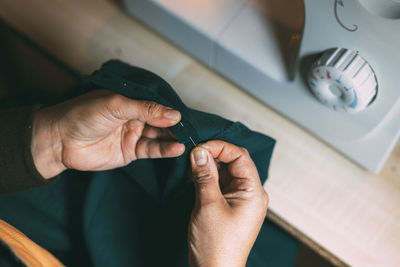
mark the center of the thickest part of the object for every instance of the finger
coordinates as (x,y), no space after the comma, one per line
(205,177)
(238,159)
(153,148)
(157,115)
(148,112)
(157,133)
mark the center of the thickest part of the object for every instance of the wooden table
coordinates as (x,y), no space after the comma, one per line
(348,215)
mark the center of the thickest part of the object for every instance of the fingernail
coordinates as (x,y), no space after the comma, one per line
(172,114)
(200,156)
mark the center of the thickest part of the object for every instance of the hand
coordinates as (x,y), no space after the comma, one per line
(230,206)
(101,130)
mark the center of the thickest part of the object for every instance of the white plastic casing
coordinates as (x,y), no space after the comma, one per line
(342,80)
(252,43)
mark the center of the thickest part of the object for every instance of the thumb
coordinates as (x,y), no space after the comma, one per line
(156,114)
(205,176)
(148,112)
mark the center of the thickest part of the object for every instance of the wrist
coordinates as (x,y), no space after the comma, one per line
(46,145)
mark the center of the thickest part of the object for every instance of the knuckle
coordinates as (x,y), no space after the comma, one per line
(163,151)
(202,176)
(265,199)
(244,151)
(151,108)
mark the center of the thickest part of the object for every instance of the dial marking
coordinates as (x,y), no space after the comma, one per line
(343,80)
(315,78)
(355,101)
(328,74)
(340,2)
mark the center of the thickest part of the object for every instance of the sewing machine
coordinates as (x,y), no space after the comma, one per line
(332,66)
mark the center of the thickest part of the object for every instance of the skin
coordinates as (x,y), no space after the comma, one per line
(101,130)
(230,206)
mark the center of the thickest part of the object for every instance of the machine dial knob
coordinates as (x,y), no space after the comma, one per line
(343,80)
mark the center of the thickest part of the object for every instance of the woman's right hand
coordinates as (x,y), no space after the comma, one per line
(231,205)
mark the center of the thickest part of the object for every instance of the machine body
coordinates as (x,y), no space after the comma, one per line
(273,49)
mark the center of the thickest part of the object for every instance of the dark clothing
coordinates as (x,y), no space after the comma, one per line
(17,170)
(7,258)
(163,178)
(138,215)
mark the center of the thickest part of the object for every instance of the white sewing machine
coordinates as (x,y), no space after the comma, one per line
(332,66)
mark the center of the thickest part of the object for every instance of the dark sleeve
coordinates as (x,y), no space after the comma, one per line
(17,169)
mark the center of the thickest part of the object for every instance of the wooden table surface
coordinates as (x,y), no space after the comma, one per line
(348,215)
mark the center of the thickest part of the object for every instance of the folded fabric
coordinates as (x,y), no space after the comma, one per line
(138,215)
(167,177)
(165,212)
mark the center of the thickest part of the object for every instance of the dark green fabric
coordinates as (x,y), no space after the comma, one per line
(138,215)
(165,178)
